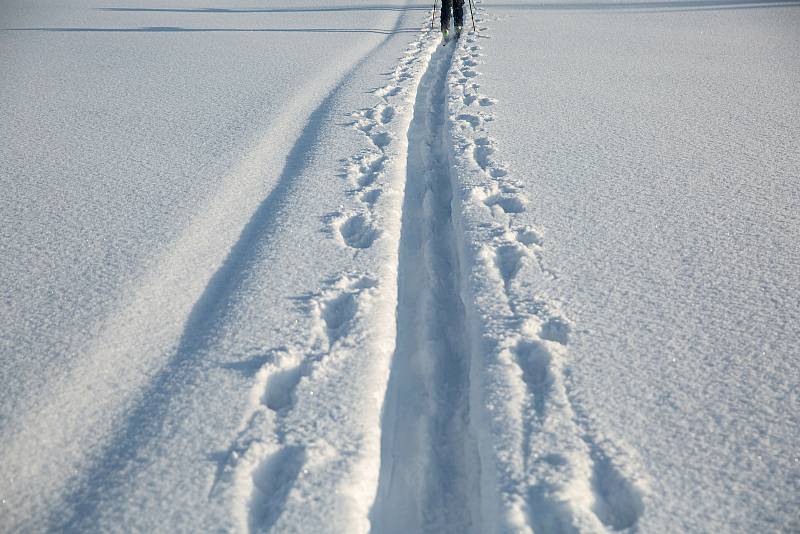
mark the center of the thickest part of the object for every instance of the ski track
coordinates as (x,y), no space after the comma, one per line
(480,429)
(480,375)
(429,462)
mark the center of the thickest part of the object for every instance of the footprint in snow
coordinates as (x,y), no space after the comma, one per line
(618,502)
(387,115)
(506,204)
(535,361)
(556,329)
(529,236)
(273,478)
(381,139)
(364,169)
(472,120)
(337,313)
(279,391)
(358,231)
(508,260)
(338,306)
(482,152)
(388,92)
(371,196)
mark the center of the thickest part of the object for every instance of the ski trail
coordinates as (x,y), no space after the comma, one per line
(429,462)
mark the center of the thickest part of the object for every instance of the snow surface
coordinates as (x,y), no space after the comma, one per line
(297,267)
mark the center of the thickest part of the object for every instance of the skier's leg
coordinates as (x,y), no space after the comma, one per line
(458,12)
(447,6)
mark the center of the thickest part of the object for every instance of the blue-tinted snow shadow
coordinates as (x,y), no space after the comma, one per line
(677,5)
(273,10)
(180,29)
(658,5)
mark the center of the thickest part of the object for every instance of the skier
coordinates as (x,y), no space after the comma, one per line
(457,7)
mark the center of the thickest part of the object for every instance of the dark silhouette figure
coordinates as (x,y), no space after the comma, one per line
(454,8)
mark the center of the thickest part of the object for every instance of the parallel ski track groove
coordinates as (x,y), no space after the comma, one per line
(429,460)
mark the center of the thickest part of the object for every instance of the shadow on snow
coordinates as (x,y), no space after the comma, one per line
(167,29)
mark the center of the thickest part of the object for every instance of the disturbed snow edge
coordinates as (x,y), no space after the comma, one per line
(310,439)
(554,471)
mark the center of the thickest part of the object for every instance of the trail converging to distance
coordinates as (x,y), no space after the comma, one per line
(314,268)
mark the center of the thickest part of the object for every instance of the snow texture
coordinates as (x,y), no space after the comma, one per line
(304,267)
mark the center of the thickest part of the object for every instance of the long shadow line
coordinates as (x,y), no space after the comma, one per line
(179,29)
(234,10)
(658,5)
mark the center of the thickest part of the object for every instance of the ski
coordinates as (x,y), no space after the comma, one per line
(446,36)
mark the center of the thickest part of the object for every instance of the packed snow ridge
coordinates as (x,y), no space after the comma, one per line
(366,328)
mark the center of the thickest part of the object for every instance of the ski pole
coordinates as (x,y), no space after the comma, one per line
(472,14)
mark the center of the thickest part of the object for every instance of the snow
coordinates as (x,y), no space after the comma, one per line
(298,267)
(662,162)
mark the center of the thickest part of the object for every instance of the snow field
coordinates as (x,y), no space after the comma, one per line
(164,374)
(371,334)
